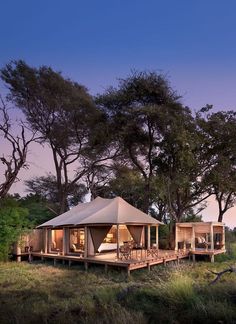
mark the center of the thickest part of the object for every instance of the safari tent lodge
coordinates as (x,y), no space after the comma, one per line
(114,233)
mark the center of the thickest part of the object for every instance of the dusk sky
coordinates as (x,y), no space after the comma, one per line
(96,42)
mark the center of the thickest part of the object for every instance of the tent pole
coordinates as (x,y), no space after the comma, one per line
(118,242)
(85,241)
(46,241)
(157,236)
(148,237)
(193,238)
(64,241)
(223,237)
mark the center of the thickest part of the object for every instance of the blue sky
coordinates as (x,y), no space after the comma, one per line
(95,42)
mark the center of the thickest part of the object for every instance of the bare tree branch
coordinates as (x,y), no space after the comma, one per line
(19,144)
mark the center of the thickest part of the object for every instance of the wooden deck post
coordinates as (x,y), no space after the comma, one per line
(177,260)
(148,237)
(164,261)
(212,237)
(86,266)
(212,258)
(176,238)
(106,267)
(86,241)
(148,266)
(193,238)
(46,241)
(118,243)
(128,271)
(18,252)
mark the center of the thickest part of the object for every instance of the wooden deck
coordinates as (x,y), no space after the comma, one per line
(207,252)
(138,260)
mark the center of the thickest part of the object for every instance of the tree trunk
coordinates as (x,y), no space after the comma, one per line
(220,217)
(63,202)
(172,236)
(146,198)
(178,215)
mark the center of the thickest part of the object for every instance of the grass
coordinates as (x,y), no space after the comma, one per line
(41,293)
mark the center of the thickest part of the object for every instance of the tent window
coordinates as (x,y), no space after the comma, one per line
(56,241)
(124,235)
(111,236)
(76,239)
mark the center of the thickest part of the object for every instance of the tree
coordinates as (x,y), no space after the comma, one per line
(159,139)
(181,166)
(127,183)
(220,133)
(191,216)
(63,113)
(39,210)
(223,179)
(98,179)
(134,110)
(45,189)
(19,145)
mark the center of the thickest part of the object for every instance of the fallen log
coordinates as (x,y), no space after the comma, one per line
(231,269)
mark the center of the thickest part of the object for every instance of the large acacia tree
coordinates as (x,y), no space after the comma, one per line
(159,140)
(63,113)
(135,110)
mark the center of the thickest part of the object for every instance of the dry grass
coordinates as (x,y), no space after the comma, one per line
(41,293)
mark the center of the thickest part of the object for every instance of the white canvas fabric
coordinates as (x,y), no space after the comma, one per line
(102,211)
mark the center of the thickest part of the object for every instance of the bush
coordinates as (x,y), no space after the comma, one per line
(13,223)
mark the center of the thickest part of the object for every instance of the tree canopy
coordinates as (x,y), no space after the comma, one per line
(63,113)
(136,140)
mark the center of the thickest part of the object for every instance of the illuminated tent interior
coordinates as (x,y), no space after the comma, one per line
(200,235)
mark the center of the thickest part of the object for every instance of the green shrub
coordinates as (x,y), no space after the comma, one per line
(13,222)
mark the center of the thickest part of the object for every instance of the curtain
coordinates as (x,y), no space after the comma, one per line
(98,233)
(136,232)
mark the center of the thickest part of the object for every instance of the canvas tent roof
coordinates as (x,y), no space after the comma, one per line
(191,224)
(102,211)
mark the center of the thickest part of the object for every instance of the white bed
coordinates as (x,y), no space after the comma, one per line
(107,247)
